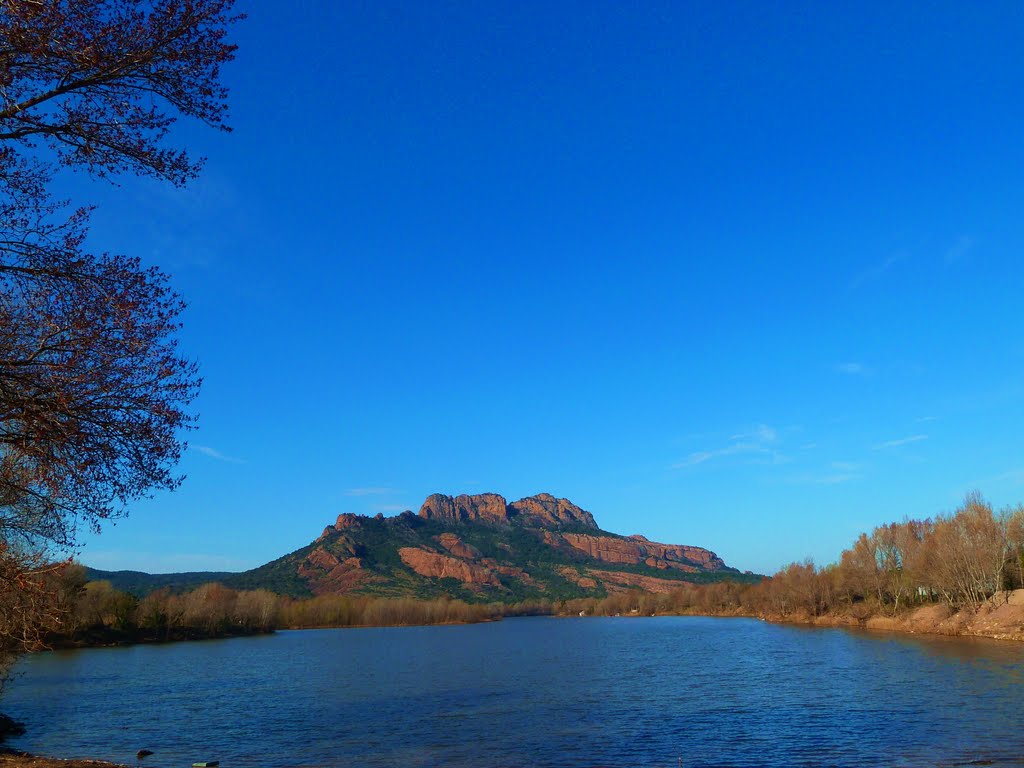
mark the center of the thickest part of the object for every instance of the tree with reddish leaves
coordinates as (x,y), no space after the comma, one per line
(94,393)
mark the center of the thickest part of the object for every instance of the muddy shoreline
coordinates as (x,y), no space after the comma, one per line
(11,758)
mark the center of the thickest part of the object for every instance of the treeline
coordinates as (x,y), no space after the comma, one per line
(354,611)
(961,559)
(95,612)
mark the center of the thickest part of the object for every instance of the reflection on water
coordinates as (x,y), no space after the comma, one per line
(536,692)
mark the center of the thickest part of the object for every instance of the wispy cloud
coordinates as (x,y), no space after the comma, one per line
(900,441)
(1014,476)
(837,473)
(960,250)
(213,453)
(852,369)
(924,419)
(876,271)
(371,491)
(762,433)
(391,507)
(699,457)
(756,442)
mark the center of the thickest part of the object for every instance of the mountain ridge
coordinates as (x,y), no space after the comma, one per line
(478,547)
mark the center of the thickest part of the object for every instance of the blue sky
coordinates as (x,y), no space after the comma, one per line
(739,276)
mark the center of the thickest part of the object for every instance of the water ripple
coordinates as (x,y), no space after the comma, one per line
(551,693)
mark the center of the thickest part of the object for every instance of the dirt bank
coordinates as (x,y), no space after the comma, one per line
(14,759)
(1000,618)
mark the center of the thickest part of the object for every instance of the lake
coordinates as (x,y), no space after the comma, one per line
(534,692)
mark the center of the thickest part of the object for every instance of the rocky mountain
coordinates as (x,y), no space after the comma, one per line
(482,547)
(472,547)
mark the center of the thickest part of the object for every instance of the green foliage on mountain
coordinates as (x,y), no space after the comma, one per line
(472,548)
(140,584)
(277,576)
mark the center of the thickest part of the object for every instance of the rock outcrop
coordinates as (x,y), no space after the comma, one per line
(10,727)
(577,578)
(346,520)
(545,509)
(702,559)
(622,581)
(542,510)
(486,507)
(437,566)
(327,573)
(539,547)
(635,550)
(458,547)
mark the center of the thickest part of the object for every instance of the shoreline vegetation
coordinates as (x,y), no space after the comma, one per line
(958,574)
(999,617)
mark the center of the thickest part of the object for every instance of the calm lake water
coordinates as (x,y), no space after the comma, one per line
(535,692)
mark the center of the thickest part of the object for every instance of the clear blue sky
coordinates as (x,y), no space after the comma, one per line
(742,276)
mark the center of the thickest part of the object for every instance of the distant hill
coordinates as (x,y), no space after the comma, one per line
(475,548)
(141,584)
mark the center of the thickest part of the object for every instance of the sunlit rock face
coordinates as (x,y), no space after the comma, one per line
(541,510)
(482,547)
(547,510)
(488,507)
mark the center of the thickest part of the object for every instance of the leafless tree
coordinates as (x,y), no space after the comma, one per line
(94,393)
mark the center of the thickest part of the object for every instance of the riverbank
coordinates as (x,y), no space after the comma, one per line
(108,637)
(15,759)
(1001,617)
(800,691)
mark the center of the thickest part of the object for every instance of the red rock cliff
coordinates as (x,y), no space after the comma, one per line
(636,549)
(542,510)
(489,507)
(436,566)
(547,510)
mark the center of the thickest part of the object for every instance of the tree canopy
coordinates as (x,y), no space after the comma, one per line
(94,392)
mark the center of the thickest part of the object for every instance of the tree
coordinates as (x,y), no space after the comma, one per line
(94,394)
(860,574)
(1015,539)
(969,552)
(101,605)
(901,558)
(31,602)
